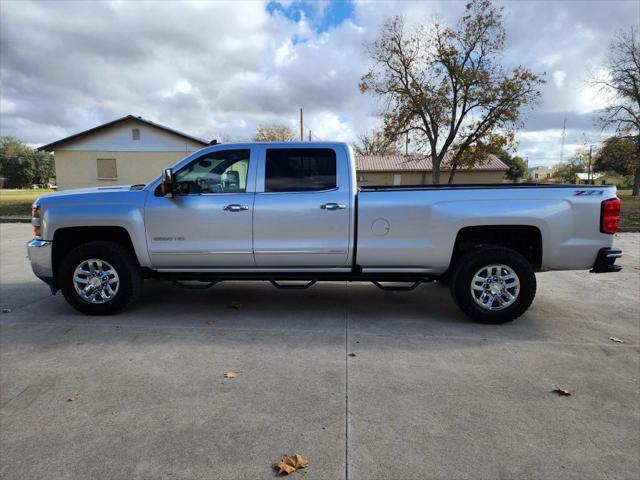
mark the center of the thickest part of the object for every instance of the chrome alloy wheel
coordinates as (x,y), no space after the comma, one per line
(495,287)
(96,281)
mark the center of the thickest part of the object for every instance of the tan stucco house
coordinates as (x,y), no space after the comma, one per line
(417,170)
(126,151)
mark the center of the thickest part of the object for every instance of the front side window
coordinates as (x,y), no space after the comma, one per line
(215,172)
(300,170)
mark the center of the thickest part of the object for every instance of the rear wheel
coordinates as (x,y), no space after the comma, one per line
(493,284)
(100,278)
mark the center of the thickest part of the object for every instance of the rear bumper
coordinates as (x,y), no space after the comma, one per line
(605,261)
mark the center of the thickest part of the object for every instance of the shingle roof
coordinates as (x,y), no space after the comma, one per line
(418,163)
(52,145)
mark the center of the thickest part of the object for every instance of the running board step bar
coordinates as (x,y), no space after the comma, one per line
(293,286)
(397,288)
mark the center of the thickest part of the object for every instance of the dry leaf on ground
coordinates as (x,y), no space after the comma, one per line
(290,463)
(211,322)
(73,397)
(617,340)
(353,355)
(236,305)
(561,391)
(230,374)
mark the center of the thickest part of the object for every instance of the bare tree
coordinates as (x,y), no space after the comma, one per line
(376,143)
(623,83)
(274,133)
(446,86)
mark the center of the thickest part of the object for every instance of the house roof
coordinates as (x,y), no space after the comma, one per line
(418,163)
(51,146)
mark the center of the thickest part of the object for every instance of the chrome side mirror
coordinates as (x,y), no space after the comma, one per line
(167,183)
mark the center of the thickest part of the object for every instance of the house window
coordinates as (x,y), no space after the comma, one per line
(135,133)
(536,175)
(397,179)
(107,169)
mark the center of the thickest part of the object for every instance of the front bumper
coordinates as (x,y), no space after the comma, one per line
(605,261)
(39,252)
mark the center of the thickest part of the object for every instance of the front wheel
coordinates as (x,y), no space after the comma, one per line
(100,278)
(493,284)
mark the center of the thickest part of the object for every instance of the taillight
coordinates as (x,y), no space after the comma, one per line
(610,216)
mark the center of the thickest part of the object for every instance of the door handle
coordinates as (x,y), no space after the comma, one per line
(333,206)
(235,207)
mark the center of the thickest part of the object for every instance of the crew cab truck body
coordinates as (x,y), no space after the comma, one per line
(292,211)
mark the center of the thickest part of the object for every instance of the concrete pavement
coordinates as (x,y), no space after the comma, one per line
(427,395)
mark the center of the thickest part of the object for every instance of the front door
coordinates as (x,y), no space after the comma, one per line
(208,223)
(302,209)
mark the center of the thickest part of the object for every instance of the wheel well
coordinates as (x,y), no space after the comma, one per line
(65,239)
(524,239)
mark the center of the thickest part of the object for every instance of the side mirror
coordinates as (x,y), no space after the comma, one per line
(166,187)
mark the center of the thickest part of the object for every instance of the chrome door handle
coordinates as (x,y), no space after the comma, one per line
(235,207)
(333,206)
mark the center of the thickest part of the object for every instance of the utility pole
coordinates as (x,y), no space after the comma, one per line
(301,126)
(564,135)
(589,167)
(406,144)
(309,134)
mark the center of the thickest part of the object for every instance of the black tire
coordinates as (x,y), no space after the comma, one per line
(470,263)
(120,258)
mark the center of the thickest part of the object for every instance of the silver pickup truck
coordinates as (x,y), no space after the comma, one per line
(291,213)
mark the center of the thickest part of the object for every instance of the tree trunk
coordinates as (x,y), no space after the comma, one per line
(435,173)
(454,167)
(636,183)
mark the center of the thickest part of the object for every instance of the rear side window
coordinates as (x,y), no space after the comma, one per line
(300,170)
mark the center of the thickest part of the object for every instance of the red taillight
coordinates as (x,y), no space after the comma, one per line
(610,216)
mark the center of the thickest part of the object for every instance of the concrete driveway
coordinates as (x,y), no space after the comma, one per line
(427,395)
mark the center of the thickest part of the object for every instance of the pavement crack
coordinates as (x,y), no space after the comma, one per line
(346,391)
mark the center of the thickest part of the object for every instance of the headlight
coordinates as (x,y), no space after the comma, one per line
(35,221)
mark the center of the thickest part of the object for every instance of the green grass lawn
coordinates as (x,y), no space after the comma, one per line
(630,210)
(17,203)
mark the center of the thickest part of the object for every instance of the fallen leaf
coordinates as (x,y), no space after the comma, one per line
(230,374)
(236,305)
(617,340)
(73,397)
(290,463)
(353,355)
(211,322)
(561,391)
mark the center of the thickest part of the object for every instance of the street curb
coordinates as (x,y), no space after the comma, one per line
(15,220)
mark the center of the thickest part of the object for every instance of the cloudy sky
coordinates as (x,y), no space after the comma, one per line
(218,69)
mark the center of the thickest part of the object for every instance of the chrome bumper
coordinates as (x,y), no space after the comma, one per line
(39,252)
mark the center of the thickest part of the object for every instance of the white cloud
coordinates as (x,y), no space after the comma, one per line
(212,68)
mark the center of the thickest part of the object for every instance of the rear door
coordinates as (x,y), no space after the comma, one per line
(302,208)
(208,224)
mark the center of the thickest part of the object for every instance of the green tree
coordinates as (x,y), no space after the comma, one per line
(567,171)
(44,167)
(618,155)
(517,166)
(447,87)
(16,162)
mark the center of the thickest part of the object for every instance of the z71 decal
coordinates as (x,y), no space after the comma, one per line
(587,193)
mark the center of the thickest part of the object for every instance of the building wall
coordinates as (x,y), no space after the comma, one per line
(76,169)
(137,161)
(119,138)
(416,178)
